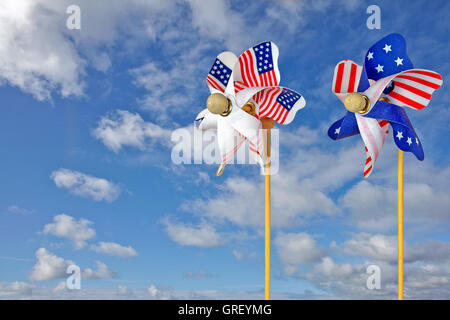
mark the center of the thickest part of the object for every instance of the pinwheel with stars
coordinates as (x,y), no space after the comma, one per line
(374,95)
(245,98)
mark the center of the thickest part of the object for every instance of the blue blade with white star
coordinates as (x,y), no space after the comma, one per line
(345,127)
(405,137)
(387,57)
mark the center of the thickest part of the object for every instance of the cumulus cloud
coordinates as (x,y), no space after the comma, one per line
(49,266)
(35,55)
(295,249)
(197,275)
(204,235)
(15,289)
(114,249)
(65,226)
(102,272)
(123,128)
(86,186)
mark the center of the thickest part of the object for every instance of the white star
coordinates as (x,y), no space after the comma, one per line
(221,66)
(399,61)
(260,58)
(270,65)
(261,47)
(260,69)
(218,71)
(337,130)
(379,68)
(387,48)
(221,77)
(409,141)
(399,135)
(265,67)
(256,49)
(212,72)
(215,67)
(267,49)
(370,55)
(417,141)
(228,75)
(267,44)
(217,62)
(225,81)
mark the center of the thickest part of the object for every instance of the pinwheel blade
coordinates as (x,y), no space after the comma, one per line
(257,67)
(345,127)
(205,120)
(347,75)
(405,136)
(373,136)
(219,76)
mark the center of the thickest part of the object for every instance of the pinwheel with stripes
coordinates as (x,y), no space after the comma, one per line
(374,95)
(245,98)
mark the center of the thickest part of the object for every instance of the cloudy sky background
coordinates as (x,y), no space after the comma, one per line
(87,178)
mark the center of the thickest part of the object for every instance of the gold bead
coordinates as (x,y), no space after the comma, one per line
(217,103)
(357,102)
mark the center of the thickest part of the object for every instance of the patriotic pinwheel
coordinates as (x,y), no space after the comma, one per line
(245,98)
(374,94)
(245,91)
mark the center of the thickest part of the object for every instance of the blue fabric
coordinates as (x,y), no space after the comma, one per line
(403,132)
(389,56)
(347,126)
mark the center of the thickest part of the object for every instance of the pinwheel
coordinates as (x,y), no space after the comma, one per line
(245,98)
(374,95)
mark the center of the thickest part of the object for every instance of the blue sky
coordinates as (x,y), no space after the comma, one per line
(86,165)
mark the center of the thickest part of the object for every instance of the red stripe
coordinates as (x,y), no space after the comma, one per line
(214,84)
(281,113)
(406,100)
(340,73)
(270,99)
(368,160)
(266,97)
(274,77)
(383,122)
(419,80)
(367,171)
(242,64)
(414,90)
(427,73)
(250,66)
(351,84)
(284,118)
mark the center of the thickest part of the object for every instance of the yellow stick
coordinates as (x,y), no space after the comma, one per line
(267,219)
(400,224)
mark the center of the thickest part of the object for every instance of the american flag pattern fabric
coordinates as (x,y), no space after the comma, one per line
(279,104)
(387,73)
(257,67)
(254,77)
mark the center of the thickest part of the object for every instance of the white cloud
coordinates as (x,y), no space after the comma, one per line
(203,235)
(123,128)
(49,266)
(35,55)
(295,249)
(102,272)
(114,249)
(15,289)
(65,226)
(86,186)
